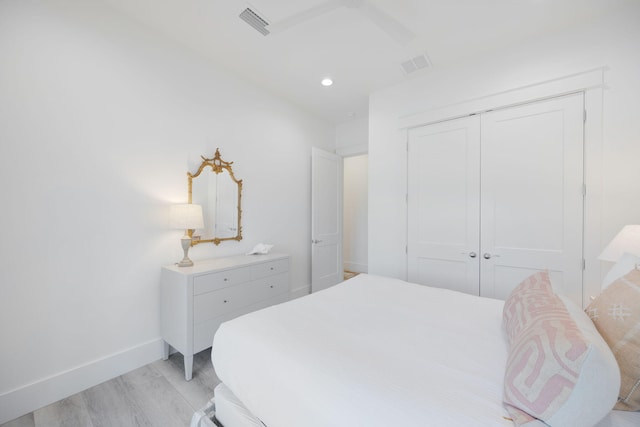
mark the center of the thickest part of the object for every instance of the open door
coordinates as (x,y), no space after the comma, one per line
(326,219)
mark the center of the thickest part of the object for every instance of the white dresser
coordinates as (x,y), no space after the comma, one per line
(196,300)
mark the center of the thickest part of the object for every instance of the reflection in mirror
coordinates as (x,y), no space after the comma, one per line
(217,190)
(226,200)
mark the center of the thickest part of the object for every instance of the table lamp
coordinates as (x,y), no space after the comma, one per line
(624,251)
(186,216)
(626,241)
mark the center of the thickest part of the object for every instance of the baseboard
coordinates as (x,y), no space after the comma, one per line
(26,399)
(356,267)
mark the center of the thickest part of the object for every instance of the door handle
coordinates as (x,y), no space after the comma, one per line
(315,242)
(487,255)
(471,254)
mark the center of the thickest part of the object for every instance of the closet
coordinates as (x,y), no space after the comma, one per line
(496,196)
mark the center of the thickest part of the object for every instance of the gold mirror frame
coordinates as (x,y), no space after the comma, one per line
(218,166)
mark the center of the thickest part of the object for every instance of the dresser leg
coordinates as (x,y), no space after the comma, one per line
(165,350)
(188,367)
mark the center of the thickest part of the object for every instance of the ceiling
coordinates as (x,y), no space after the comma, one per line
(352,40)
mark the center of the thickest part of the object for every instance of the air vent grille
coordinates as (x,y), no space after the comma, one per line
(255,20)
(414,64)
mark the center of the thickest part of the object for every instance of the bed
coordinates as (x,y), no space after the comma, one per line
(371,351)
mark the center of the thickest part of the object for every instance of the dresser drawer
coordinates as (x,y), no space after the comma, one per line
(268,287)
(269,268)
(223,279)
(226,300)
(204,332)
(217,303)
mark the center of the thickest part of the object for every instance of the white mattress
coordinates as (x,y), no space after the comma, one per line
(372,352)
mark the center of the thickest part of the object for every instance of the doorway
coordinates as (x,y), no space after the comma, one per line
(339,217)
(355,215)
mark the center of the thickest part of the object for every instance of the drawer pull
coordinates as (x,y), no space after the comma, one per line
(225,279)
(225,301)
(271,269)
(271,286)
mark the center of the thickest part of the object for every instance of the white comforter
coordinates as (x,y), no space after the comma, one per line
(371,352)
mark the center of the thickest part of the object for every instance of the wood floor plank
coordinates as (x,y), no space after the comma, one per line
(109,405)
(71,411)
(156,395)
(199,390)
(158,400)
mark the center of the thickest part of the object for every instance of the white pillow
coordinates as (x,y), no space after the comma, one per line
(559,369)
(602,369)
(625,264)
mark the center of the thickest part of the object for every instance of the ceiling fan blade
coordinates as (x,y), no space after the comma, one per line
(305,15)
(386,23)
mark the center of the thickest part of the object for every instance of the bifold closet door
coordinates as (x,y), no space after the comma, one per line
(444,204)
(532,195)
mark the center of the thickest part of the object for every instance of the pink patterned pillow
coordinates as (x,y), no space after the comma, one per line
(616,315)
(559,370)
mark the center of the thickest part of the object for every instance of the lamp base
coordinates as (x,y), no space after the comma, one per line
(186,243)
(185,263)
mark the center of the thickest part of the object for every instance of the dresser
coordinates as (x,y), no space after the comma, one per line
(196,300)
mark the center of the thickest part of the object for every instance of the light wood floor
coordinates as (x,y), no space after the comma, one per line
(349,274)
(155,395)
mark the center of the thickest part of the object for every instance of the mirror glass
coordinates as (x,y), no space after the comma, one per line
(217,190)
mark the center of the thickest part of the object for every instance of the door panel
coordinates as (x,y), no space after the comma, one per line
(532,195)
(326,219)
(443,204)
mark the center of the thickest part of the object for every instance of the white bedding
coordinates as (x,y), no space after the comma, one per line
(372,352)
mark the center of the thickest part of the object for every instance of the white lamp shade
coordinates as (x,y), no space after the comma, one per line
(186,216)
(626,241)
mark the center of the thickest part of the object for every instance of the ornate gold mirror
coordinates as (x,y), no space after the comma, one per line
(219,193)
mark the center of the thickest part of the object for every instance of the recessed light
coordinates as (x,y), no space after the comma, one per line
(326,81)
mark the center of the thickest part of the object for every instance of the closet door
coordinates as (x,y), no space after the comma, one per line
(532,196)
(443,204)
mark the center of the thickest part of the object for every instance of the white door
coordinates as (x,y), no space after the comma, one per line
(498,196)
(443,204)
(326,219)
(532,196)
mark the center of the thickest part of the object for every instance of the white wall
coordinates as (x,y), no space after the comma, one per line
(355,218)
(612,41)
(352,137)
(100,120)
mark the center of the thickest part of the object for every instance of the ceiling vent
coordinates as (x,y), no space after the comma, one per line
(256,21)
(415,64)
